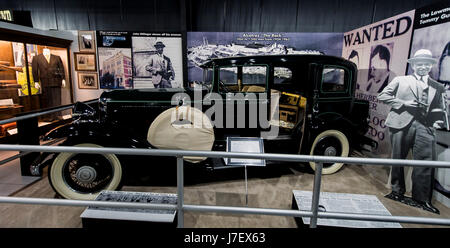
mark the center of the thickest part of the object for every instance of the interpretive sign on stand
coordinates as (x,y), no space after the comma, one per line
(248,145)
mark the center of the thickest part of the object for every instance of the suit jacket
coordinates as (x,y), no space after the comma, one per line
(403,88)
(160,67)
(49,73)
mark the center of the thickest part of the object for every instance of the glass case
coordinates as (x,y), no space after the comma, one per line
(32,77)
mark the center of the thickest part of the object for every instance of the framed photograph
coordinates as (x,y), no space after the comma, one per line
(85,61)
(86,41)
(87,80)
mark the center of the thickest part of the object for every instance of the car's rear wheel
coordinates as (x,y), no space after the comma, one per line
(330,143)
(83,176)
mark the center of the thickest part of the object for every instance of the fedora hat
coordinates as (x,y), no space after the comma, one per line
(423,55)
(159,44)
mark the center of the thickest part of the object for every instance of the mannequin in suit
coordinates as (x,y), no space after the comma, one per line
(414,99)
(49,70)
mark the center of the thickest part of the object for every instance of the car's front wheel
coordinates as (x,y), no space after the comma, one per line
(330,143)
(83,176)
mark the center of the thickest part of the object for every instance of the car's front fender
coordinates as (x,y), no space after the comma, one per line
(72,130)
(95,132)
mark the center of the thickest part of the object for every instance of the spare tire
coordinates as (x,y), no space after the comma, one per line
(183,128)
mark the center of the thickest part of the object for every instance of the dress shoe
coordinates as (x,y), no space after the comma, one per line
(395,196)
(401,198)
(427,206)
(409,201)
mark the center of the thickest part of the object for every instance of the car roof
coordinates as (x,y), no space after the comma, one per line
(275,59)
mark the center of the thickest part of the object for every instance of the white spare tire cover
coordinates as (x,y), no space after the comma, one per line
(183,128)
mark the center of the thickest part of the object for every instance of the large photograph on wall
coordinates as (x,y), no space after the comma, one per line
(203,46)
(380,51)
(157,60)
(432,32)
(114,60)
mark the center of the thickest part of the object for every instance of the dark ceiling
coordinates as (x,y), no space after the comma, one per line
(211,15)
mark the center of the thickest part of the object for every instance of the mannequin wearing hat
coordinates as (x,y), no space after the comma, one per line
(161,68)
(414,99)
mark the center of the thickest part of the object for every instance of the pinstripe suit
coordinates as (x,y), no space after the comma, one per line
(411,128)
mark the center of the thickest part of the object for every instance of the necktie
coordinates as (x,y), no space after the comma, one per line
(423,98)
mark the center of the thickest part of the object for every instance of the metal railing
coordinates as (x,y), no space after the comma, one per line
(54,110)
(37,114)
(314,214)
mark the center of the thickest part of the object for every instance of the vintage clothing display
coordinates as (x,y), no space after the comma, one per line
(50,73)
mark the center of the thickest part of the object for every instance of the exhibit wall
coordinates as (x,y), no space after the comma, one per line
(138,60)
(432,32)
(202,46)
(82,94)
(380,51)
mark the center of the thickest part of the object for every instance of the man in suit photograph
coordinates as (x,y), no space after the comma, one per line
(161,68)
(416,102)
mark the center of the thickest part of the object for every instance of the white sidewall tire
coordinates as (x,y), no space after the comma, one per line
(345,150)
(57,179)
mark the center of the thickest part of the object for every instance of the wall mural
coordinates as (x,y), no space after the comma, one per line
(380,51)
(203,46)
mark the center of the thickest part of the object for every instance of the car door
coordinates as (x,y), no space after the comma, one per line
(243,89)
(333,99)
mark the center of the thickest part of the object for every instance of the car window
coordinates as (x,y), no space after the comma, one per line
(282,75)
(243,79)
(228,79)
(254,78)
(333,79)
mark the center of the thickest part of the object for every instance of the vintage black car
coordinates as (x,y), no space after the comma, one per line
(309,102)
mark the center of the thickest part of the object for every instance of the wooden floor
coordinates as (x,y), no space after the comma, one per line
(269,187)
(11,179)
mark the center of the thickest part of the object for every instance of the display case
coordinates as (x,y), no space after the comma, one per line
(34,75)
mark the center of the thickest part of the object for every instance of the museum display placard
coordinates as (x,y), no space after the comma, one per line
(344,203)
(132,214)
(247,145)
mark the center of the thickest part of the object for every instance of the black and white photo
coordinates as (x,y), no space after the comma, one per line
(380,73)
(157,62)
(87,80)
(86,41)
(85,61)
(416,101)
